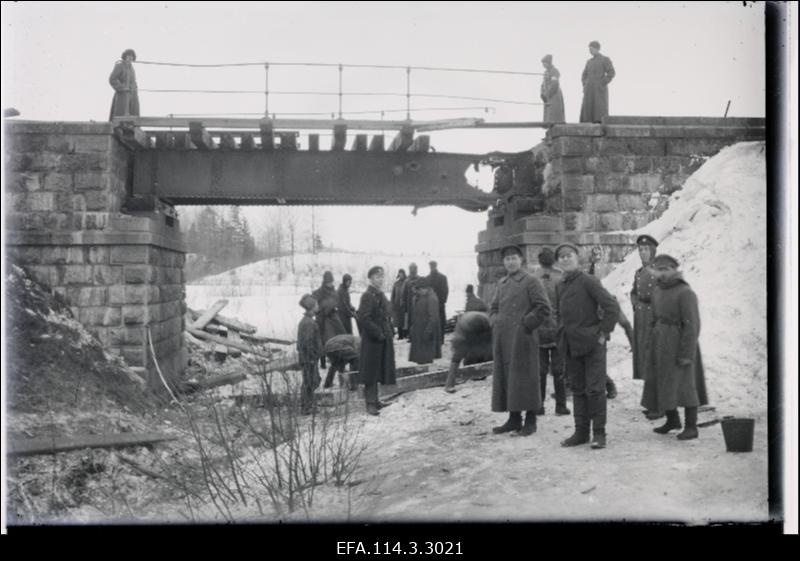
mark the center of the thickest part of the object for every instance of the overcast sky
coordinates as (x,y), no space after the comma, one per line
(671,59)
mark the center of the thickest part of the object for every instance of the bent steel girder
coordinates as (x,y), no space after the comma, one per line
(194,177)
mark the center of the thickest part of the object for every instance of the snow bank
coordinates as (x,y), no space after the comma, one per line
(716,228)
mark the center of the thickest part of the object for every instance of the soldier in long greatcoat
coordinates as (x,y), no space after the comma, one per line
(123,80)
(644,282)
(599,71)
(377,346)
(345,308)
(328,315)
(550,92)
(675,376)
(519,307)
(426,332)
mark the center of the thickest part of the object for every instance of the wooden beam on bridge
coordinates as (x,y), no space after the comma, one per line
(421,144)
(180,140)
(133,137)
(377,143)
(339,137)
(200,136)
(267,136)
(227,142)
(313,143)
(248,143)
(162,140)
(360,143)
(288,140)
(403,140)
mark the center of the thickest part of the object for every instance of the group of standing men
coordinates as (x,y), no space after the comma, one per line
(418,310)
(597,74)
(573,322)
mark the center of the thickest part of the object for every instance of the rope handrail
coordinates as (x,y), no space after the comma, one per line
(483,108)
(336,65)
(364,94)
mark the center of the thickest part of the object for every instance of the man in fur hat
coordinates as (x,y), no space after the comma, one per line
(123,80)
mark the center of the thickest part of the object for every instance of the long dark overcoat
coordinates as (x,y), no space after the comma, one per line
(377,347)
(408,300)
(345,308)
(552,97)
(674,338)
(328,315)
(642,302)
(398,304)
(550,277)
(440,288)
(599,71)
(520,305)
(426,333)
(126,93)
(309,349)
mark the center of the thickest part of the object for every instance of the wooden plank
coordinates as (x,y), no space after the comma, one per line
(230,323)
(421,144)
(262,339)
(209,314)
(222,341)
(267,135)
(339,140)
(412,370)
(448,124)
(248,143)
(313,142)
(360,143)
(200,136)
(227,142)
(377,143)
(436,378)
(403,140)
(133,137)
(36,446)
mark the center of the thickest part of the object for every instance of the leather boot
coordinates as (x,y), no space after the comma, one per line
(673,422)
(372,409)
(598,441)
(513,423)
(690,432)
(530,424)
(611,388)
(597,412)
(581,434)
(562,410)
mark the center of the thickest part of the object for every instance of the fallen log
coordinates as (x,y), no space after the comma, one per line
(215,382)
(209,314)
(230,323)
(411,370)
(36,446)
(262,339)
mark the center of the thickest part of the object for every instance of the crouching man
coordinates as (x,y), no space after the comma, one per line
(675,371)
(586,313)
(471,342)
(343,350)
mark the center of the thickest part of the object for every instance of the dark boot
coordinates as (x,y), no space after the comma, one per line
(611,388)
(673,422)
(653,415)
(513,423)
(596,403)
(540,411)
(372,409)
(599,441)
(690,432)
(581,434)
(530,424)
(562,410)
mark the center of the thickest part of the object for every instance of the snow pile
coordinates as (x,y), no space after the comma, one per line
(716,228)
(266,293)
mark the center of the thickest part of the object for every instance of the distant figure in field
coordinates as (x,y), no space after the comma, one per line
(398,305)
(426,331)
(550,92)
(599,71)
(474,304)
(309,349)
(342,350)
(376,360)
(439,285)
(123,80)
(408,296)
(346,310)
(471,342)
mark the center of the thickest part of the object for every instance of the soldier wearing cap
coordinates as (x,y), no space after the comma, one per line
(644,282)
(519,307)
(586,313)
(377,348)
(309,349)
(675,375)
(599,71)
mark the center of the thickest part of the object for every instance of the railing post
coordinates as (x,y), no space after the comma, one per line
(266,90)
(340,90)
(408,93)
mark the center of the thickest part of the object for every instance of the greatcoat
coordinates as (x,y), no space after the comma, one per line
(599,71)
(377,348)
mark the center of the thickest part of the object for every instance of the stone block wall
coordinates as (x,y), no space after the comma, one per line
(599,180)
(121,274)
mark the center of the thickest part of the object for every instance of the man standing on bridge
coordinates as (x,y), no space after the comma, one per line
(599,71)
(123,80)
(550,92)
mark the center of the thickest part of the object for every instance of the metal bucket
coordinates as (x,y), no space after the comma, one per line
(738,433)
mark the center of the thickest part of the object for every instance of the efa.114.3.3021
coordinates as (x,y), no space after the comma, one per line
(398,548)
